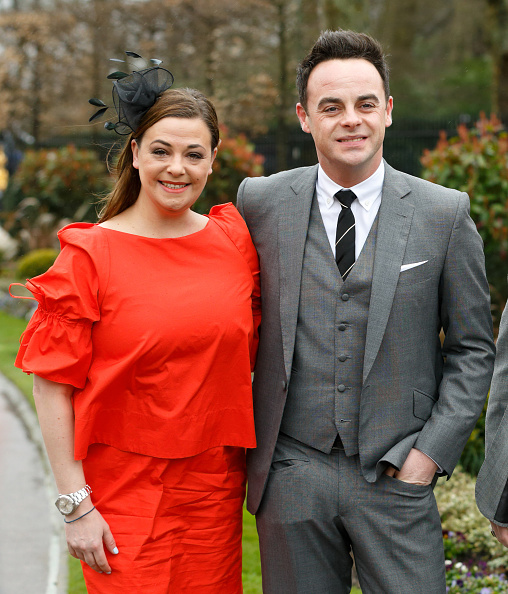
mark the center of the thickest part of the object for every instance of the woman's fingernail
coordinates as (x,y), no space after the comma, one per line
(115,551)
(108,572)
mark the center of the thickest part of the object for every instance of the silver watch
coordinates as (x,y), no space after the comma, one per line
(66,504)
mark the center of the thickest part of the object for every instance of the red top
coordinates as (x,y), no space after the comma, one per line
(156,335)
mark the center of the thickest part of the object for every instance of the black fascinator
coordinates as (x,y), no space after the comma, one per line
(134,94)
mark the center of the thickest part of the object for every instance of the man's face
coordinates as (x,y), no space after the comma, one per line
(347,114)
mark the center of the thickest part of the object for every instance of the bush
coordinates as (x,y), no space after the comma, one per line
(474,452)
(461,577)
(476,162)
(235,161)
(64,180)
(36,262)
(467,531)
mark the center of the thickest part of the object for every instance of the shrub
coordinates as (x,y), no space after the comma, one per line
(461,577)
(36,262)
(467,531)
(235,161)
(65,180)
(476,162)
(474,451)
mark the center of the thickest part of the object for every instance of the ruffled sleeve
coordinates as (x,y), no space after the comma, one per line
(57,343)
(232,223)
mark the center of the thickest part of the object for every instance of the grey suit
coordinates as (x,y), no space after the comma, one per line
(414,392)
(491,486)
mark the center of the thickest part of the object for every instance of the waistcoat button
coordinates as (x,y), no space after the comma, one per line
(341,388)
(342,327)
(345,297)
(342,358)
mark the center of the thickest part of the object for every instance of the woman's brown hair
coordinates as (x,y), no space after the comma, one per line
(174,103)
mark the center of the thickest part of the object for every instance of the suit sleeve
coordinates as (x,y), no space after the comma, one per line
(239,198)
(468,347)
(498,400)
(498,403)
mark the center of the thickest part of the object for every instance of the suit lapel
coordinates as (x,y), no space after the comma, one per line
(395,217)
(294,216)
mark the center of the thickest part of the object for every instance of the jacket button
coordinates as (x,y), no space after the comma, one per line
(345,297)
(341,388)
(342,327)
(284,386)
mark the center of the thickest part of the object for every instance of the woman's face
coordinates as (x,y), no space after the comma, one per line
(174,160)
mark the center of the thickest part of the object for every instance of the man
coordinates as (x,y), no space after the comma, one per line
(357,403)
(492,483)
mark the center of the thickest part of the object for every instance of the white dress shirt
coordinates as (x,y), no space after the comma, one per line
(364,209)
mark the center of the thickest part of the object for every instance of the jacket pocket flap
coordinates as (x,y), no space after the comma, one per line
(423,404)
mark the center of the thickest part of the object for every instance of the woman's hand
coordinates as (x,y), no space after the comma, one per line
(86,539)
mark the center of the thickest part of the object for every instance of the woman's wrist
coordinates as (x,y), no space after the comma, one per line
(68,503)
(70,521)
(85,506)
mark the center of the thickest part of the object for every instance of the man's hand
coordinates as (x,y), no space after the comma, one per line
(501,534)
(418,469)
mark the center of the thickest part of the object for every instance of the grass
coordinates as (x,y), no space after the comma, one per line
(11,330)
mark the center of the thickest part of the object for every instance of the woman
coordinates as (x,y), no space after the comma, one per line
(141,351)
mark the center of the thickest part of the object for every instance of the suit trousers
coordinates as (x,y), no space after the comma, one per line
(318,512)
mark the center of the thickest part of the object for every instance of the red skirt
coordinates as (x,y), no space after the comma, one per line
(177,523)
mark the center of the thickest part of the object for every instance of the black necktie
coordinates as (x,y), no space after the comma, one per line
(345,236)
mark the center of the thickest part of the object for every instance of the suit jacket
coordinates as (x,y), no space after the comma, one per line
(434,399)
(491,492)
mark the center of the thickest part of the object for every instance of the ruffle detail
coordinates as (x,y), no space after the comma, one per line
(56,348)
(57,343)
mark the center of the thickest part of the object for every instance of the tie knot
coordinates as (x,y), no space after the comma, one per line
(346,197)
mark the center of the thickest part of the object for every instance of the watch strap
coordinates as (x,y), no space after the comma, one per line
(78,496)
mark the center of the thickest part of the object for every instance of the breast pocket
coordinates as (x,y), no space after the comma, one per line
(416,274)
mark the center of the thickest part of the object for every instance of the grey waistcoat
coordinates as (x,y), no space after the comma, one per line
(326,377)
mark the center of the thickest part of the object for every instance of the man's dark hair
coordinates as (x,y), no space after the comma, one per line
(341,45)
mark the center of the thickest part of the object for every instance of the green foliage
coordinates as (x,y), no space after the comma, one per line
(474,452)
(36,262)
(235,161)
(461,577)
(476,162)
(65,180)
(462,520)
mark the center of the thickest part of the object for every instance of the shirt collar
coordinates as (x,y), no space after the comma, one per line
(366,191)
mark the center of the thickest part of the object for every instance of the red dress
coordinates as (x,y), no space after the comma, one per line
(158,337)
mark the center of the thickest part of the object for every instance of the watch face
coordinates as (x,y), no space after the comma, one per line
(65,505)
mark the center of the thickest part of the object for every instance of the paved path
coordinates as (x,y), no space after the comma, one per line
(32,551)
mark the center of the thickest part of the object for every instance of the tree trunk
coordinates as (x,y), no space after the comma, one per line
(282,127)
(498,20)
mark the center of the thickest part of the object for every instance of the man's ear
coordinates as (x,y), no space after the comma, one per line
(389,110)
(302,116)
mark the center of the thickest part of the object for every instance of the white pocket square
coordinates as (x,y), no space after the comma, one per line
(414,265)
